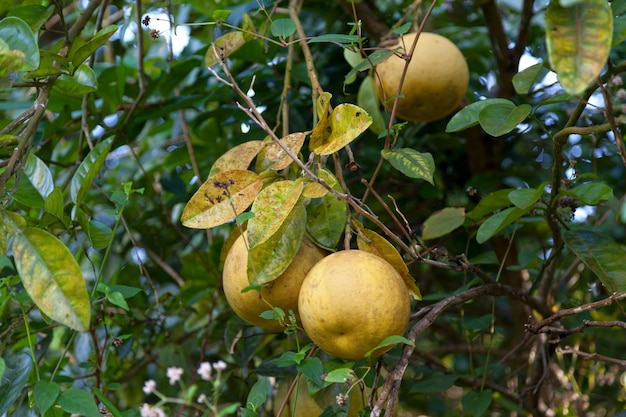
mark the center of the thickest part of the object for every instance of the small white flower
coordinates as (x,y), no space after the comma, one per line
(219,365)
(205,371)
(174,373)
(149,386)
(202,398)
(147,410)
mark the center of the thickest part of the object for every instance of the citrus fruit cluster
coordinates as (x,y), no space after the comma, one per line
(436,78)
(347,302)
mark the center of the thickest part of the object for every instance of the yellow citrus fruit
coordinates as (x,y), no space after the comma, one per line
(350,301)
(435,82)
(281,292)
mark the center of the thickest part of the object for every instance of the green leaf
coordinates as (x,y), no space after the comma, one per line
(268,260)
(3,367)
(526,197)
(87,171)
(45,394)
(476,403)
(15,377)
(221,198)
(340,376)
(491,202)
(524,80)
(39,175)
(117,299)
(52,278)
(313,369)
(80,51)
(221,15)
(78,401)
(600,254)
(469,115)
(34,15)
(335,38)
(437,383)
(18,37)
(411,163)
(390,341)
(272,206)
(107,403)
(283,28)
(442,222)
(81,82)
(497,222)
(372,60)
(592,193)
(258,393)
(500,119)
(367,99)
(579,41)
(326,216)
(99,234)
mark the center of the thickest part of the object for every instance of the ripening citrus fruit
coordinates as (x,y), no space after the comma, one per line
(435,83)
(350,301)
(281,292)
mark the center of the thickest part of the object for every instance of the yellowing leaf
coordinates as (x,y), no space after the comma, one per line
(312,189)
(271,208)
(238,157)
(228,43)
(276,156)
(370,241)
(221,198)
(268,260)
(579,41)
(411,163)
(345,123)
(52,278)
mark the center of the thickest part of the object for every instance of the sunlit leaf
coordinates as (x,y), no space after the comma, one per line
(370,241)
(601,254)
(500,119)
(52,278)
(345,123)
(326,216)
(579,41)
(271,258)
(367,99)
(272,206)
(221,198)
(275,156)
(442,222)
(39,175)
(88,169)
(497,222)
(340,375)
(18,37)
(468,116)
(237,158)
(411,163)
(390,341)
(229,43)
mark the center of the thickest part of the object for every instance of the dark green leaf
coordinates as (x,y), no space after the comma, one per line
(437,383)
(313,369)
(17,370)
(335,38)
(491,202)
(107,403)
(45,394)
(526,197)
(81,82)
(87,171)
(411,163)
(99,234)
(326,216)
(601,254)
(476,403)
(591,193)
(34,15)
(78,401)
(524,80)
(372,60)
(390,341)
(86,49)
(18,37)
